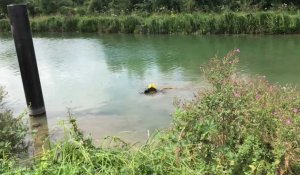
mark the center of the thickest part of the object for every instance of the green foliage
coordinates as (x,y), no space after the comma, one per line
(242,125)
(70,24)
(37,7)
(12,131)
(4,3)
(53,6)
(197,23)
(33,7)
(119,6)
(96,6)
(239,125)
(88,24)
(163,16)
(4,25)
(129,24)
(67,11)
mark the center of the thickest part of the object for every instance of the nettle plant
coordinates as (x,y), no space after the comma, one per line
(241,125)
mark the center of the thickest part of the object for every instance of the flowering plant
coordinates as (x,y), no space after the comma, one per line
(242,124)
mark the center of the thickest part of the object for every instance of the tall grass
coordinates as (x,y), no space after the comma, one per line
(197,23)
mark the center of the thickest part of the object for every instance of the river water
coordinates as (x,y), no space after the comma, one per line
(98,78)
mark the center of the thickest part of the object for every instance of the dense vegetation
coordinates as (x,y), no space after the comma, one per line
(240,125)
(83,7)
(161,16)
(12,132)
(198,23)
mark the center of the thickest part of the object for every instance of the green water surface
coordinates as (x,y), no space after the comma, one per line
(99,77)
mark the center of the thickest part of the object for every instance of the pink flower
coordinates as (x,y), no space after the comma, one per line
(270,88)
(288,121)
(257,97)
(237,94)
(295,110)
(238,50)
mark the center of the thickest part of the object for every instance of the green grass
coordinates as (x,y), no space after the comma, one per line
(12,130)
(4,25)
(240,125)
(197,23)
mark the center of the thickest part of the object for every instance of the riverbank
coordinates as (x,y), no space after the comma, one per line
(242,125)
(182,23)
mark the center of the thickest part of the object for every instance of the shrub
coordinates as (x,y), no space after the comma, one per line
(88,24)
(4,25)
(242,125)
(54,24)
(70,24)
(12,131)
(129,23)
(39,24)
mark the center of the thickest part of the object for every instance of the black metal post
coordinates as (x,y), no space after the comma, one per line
(28,67)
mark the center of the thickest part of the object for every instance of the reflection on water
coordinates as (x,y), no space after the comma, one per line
(39,128)
(99,77)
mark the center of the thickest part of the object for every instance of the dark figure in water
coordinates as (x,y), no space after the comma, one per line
(151,89)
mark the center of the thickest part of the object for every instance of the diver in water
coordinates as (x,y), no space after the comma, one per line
(151,89)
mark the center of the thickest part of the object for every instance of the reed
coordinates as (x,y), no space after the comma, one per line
(183,23)
(4,25)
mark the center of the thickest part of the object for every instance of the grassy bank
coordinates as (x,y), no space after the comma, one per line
(197,23)
(241,125)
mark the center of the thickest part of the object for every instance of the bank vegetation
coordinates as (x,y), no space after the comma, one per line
(242,124)
(183,23)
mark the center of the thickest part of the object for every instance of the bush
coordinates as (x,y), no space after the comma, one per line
(70,24)
(39,24)
(88,24)
(129,24)
(12,131)
(242,125)
(4,25)
(54,24)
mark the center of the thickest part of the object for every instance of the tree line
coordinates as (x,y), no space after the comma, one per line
(85,7)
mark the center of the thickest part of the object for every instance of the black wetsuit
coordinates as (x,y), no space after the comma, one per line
(150,91)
